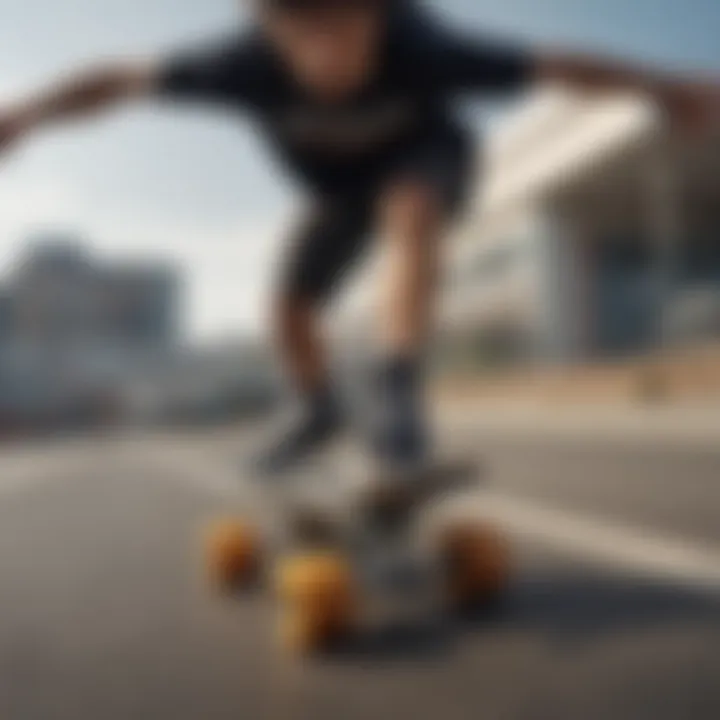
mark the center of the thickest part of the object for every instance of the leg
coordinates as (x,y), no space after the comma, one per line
(321,252)
(416,207)
(412,228)
(299,339)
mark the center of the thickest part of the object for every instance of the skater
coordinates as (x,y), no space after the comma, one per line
(358,99)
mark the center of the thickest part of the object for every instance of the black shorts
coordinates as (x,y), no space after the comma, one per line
(340,226)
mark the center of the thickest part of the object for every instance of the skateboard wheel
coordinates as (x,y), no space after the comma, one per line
(232,553)
(476,560)
(303,633)
(317,598)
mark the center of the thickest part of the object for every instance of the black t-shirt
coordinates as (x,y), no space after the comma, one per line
(425,68)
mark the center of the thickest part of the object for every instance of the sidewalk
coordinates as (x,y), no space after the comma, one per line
(679,425)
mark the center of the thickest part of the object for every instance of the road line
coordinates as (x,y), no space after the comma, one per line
(590,538)
(604,541)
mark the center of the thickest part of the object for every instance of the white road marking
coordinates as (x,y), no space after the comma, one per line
(591,539)
(24,474)
(603,541)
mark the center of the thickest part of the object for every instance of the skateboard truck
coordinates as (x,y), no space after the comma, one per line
(389,504)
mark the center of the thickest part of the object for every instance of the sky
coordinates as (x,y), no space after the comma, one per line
(194,186)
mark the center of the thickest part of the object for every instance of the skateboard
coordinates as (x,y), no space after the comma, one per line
(338,567)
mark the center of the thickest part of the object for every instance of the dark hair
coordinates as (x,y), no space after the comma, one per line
(324,4)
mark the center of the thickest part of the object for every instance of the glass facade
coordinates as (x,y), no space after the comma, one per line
(625,297)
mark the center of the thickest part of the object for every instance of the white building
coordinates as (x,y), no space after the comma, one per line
(61,294)
(592,229)
(73,327)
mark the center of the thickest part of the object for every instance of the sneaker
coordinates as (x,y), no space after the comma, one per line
(311,428)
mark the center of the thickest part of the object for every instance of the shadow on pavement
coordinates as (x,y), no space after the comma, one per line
(573,607)
(580,604)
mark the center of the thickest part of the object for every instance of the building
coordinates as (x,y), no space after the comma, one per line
(596,234)
(73,328)
(85,341)
(219,382)
(62,295)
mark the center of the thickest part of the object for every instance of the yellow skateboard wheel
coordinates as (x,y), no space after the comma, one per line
(477,563)
(317,598)
(304,633)
(232,553)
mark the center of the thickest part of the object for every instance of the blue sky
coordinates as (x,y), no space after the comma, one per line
(193,185)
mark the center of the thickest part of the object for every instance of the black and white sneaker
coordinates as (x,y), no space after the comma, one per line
(310,428)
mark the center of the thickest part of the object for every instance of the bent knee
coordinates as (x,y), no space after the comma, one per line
(411,212)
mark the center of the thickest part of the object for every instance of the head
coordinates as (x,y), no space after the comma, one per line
(330,46)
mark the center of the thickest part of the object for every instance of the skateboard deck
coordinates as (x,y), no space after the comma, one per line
(384,506)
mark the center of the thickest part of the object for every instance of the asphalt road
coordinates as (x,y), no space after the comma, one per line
(614,612)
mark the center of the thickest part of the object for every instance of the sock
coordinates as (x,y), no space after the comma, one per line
(322,402)
(401,433)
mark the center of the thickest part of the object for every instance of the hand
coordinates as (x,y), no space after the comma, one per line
(13,126)
(693,107)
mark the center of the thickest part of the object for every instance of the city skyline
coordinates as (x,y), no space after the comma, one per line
(196,186)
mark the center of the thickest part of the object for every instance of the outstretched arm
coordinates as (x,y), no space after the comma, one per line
(686,101)
(227,72)
(76,96)
(467,63)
